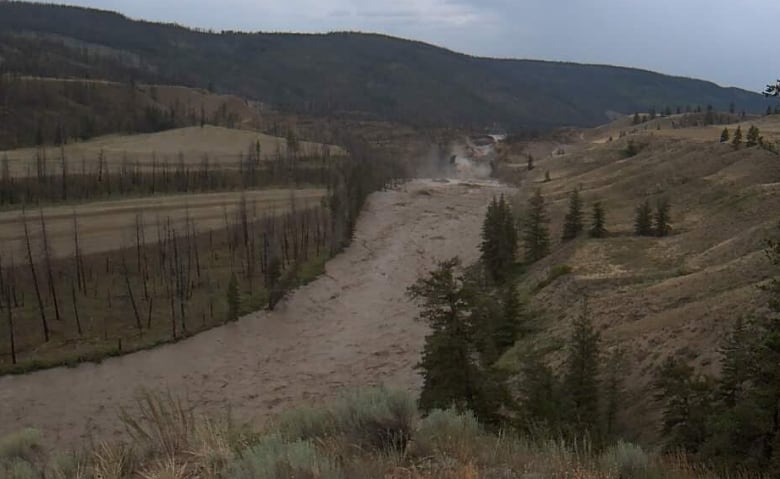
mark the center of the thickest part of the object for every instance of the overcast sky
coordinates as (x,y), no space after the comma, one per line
(732,42)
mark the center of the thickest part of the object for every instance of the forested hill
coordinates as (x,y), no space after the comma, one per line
(341,73)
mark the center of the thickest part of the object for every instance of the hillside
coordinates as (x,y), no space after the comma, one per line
(370,76)
(658,297)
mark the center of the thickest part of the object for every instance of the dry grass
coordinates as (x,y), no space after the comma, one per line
(111,225)
(657,297)
(169,440)
(223,146)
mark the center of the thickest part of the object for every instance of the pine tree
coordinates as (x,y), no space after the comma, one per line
(643,225)
(636,119)
(536,236)
(737,353)
(662,218)
(451,375)
(508,326)
(530,162)
(753,136)
(547,178)
(233,299)
(598,228)
(573,221)
(724,136)
(581,383)
(613,390)
(499,239)
(736,141)
(687,404)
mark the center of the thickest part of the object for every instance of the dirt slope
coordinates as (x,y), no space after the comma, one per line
(659,297)
(352,327)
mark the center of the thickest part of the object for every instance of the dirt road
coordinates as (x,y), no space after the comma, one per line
(352,327)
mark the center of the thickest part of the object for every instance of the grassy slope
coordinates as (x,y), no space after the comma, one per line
(371,434)
(659,297)
(374,75)
(224,147)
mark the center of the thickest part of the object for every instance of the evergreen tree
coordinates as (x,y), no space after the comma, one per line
(233,299)
(737,353)
(451,375)
(536,235)
(662,218)
(573,222)
(724,136)
(499,239)
(687,403)
(530,162)
(753,136)
(541,395)
(736,141)
(643,224)
(636,119)
(598,228)
(547,178)
(581,383)
(613,390)
(508,326)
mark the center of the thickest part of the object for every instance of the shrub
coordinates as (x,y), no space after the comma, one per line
(446,431)
(20,445)
(555,273)
(376,418)
(305,423)
(627,460)
(273,458)
(18,469)
(162,422)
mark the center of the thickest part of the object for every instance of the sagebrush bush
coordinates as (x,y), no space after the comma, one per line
(446,431)
(377,418)
(273,458)
(373,418)
(627,460)
(20,445)
(18,469)
(305,423)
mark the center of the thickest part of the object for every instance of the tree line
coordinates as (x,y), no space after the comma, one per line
(174,279)
(51,180)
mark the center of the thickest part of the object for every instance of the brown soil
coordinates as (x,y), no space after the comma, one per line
(352,327)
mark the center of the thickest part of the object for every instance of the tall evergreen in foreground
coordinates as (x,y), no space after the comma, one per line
(450,367)
(536,234)
(581,382)
(572,225)
(724,135)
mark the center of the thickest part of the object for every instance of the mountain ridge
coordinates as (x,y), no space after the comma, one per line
(374,75)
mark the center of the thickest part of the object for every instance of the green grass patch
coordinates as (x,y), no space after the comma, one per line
(555,273)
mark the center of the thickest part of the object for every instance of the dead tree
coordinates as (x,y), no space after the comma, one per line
(49,272)
(76,308)
(126,274)
(9,314)
(44,323)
